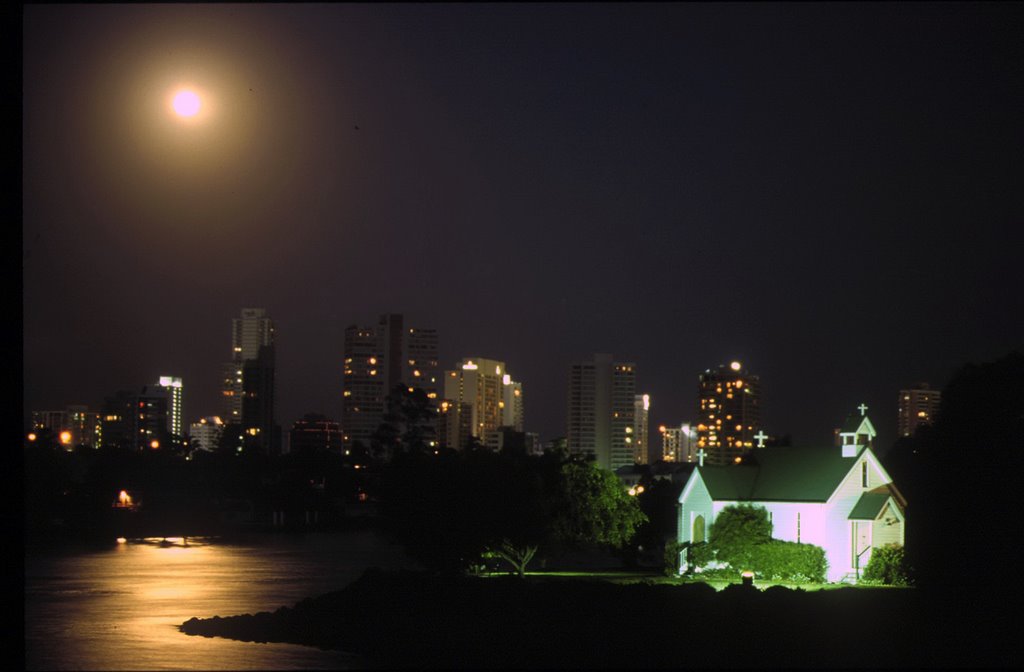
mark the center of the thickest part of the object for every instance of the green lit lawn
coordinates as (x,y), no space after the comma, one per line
(639,576)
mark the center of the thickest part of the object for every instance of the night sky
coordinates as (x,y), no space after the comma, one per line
(829,193)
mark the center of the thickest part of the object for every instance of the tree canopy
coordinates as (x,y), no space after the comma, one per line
(737,530)
(452,508)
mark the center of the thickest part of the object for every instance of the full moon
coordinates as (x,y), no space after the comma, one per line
(186,103)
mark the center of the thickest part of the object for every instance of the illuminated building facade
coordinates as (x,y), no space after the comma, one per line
(249,333)
(641,429)
(173,387)
(679,444)
(249,381)
(601,410)
(75,426)
(453,424)
(483,397)
(376,360)
(205,434)
(728,412)
(917,406)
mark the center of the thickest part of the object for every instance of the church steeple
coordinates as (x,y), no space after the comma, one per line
(857,432)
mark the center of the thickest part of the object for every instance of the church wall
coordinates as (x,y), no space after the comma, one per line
(784,521)
(888,529)
(839,547)
(697,502)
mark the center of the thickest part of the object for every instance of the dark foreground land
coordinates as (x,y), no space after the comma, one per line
(415,620)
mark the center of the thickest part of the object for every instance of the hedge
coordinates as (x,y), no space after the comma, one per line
(788,561)
(887,566)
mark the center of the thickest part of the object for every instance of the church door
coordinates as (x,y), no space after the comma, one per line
(861,545)
(698,530)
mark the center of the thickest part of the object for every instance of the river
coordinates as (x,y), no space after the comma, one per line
(118,607)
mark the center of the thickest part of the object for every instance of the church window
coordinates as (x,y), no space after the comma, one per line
(698,529)
(864,474)
(798,527)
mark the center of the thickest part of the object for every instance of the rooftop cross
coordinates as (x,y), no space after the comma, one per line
(700,456)
(760,436)
(863,408)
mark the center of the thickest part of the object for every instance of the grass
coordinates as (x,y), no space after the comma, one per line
(657,578)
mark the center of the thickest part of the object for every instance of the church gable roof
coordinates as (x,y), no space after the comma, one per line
(869,506)
(857,424)
(779,474)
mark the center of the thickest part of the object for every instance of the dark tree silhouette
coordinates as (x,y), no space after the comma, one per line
(407,426)
(967,513)
(451,508)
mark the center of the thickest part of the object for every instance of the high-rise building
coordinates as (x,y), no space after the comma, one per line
(135,420)
(641,429)
(917,406)
(481,395)
(205,434)
(728,412)
(601,410)
(315,433)
(173,387)
(249,381)
(453,424)
(678,444)
(74,426)
(512,403)
(376,360)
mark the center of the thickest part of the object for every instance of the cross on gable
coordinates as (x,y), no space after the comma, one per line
(863,409)
(700,457)
(760,436)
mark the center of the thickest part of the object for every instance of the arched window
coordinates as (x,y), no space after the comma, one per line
(698,530)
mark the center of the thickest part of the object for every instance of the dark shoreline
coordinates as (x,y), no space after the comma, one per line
(411,619)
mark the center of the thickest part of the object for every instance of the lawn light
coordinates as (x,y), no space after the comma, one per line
(748,579)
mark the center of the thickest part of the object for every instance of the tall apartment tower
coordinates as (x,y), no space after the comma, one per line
(641,429)
(134,420)
(75,426)
(481,395)
(249,381)
(205,434)
(728,412)
(173,387)
(678,444)
(602,394)
(917,406)
(376,360)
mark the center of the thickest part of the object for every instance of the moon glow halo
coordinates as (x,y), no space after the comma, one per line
(186,103)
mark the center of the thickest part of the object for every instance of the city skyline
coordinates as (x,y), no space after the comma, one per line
(828,194)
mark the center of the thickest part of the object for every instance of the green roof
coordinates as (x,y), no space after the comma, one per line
(869,506)
(779,474)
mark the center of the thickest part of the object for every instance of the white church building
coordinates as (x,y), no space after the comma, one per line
(839,498)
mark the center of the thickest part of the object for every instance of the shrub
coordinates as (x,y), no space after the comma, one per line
(699,555)
(887,566)
(737,530)
(789,561)
(740,539)
(671,558)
